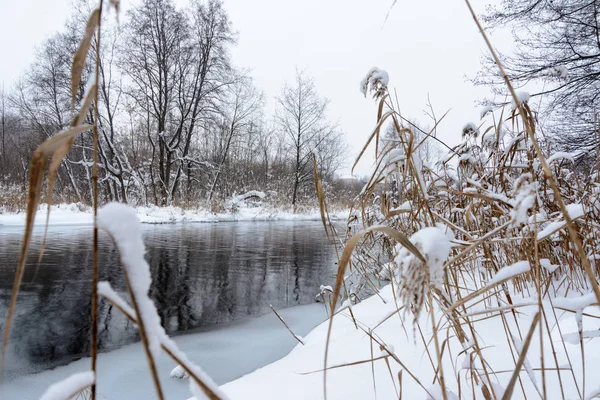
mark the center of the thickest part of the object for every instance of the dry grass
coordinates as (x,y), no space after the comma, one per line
(481,192)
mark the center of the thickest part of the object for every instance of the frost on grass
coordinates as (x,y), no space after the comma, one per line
(415,277)
(510,271)
(123,225)
(69,387)
(376,82)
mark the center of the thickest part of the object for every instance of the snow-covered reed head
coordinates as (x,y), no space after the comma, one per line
(416,277)
(470,130)
(524,198)
(375,82)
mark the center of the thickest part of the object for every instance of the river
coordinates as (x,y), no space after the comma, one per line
(205,276)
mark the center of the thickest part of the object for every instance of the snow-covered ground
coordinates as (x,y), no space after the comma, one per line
(77,214)
(225,353)
(243,346)
(297,375)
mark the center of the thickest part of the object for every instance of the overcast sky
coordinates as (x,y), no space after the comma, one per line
(429,48)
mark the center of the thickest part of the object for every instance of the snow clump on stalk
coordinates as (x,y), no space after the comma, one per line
(524,193)
(376,82)
(415,277)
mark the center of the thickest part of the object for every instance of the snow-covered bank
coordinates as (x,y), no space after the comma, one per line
(226,353)
(77,214)
(298,376)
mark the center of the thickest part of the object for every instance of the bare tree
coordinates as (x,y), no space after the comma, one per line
(301,116)
(3,127)
(557,43)
(243,101)
(177,63)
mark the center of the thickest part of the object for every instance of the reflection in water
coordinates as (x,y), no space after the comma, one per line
(203,274)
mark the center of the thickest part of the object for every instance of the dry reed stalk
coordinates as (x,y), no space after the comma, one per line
(528,122)
(511,384)
(286,325)
(188,369)
(343,264)
(55,147)
(95,269)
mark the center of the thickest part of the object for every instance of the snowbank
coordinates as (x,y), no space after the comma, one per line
(78,214)
(298,375)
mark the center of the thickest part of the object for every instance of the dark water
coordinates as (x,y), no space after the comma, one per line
(203,275)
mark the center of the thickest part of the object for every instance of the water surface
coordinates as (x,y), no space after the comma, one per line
(203,275)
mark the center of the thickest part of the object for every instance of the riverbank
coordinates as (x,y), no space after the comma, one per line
(353,374)
(226,352)
(78,214)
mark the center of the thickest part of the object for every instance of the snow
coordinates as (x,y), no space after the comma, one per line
(577,303)
(559,71)
(294,376)
(547,265)
(179,373)
(396,155)
(122,223)
(435,393)
(198,372)
(69,387)
(245,196)
(573,338)
(406,206)
(510,271)
(375,81)
(106,291)
(522,98)
(524,199)
(227,351)
(574,210)
(470,129)
(562,155)
(79,214)
(434,244)
(485,111)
